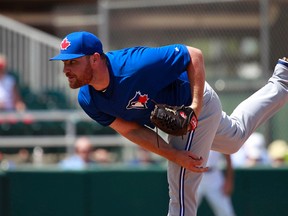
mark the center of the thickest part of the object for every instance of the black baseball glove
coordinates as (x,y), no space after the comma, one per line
(174,120)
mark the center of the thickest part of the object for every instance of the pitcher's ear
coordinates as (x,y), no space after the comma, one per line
(95,57)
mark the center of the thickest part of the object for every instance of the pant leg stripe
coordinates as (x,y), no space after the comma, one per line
(182,176)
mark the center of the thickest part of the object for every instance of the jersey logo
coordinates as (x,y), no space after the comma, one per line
(138,101)
(65,44)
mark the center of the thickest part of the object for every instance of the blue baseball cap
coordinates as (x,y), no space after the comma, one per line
(78,44)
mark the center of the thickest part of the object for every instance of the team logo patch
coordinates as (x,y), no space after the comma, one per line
(139,101)
(65,44)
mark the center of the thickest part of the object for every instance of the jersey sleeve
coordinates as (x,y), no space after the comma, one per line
(87,105)
(171,60)
(176,57)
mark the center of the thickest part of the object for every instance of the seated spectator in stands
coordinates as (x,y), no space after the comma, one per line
(102,156)
(82,156)
(10,98)
(253,153)
(5,163)
(278,151)
(23,157)
(143,157)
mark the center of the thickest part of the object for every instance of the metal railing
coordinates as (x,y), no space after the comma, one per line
(28,51)
(69,117)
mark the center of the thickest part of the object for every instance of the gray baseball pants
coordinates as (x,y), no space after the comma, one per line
(220,132)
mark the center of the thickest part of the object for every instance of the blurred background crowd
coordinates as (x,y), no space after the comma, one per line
(255,153)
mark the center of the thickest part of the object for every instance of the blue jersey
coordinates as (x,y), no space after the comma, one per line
(138,76)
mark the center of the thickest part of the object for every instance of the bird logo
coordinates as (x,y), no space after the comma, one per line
(139,101)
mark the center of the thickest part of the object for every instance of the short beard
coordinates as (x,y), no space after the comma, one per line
(74,86)
(85,79)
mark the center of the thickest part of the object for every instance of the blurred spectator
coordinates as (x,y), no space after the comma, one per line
(278,151)
(217,187)
(143,157)
(5,164)
(23,157)
(102,156)
(253,153)
(37,155)
(10,98)
(82,155)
